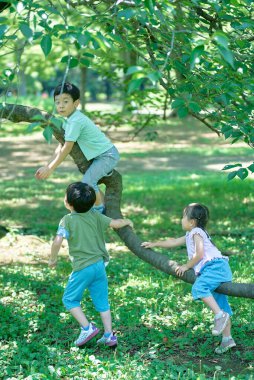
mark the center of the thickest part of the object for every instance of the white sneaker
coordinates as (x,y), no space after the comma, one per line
(220,324)
(86,335)
(225,346)
(110,341)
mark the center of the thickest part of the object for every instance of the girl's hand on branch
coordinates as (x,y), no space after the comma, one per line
(148,244)
(181,270)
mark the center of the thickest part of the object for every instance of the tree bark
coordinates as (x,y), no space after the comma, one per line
(18,113)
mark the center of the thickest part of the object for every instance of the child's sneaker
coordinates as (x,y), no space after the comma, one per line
(86,335)
(110,341)
(220,324)
(225,346)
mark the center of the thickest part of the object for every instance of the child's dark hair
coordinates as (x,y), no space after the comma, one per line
(199,213)
(80,196)
(67,88)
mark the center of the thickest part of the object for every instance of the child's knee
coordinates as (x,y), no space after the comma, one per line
(69,304)
(199,292)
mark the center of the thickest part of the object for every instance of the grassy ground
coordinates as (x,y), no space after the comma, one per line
(162,333)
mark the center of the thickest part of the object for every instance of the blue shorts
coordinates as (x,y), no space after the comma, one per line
(211,276)
(100,167)
(94,279)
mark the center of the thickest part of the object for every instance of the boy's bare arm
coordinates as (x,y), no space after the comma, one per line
(55,248)
(61,153)
(169,243)
(119,223)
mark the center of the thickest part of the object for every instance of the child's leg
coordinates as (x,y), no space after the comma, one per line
(227,340)
(78,282)
(99,293)
(227,331)
(212,304)
(80,317)
(100,167)
(107,321)
(211,276)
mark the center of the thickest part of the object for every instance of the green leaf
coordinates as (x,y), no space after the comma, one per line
(251,167)
(83,39)
(154,77)
(134,69)
(73,62)
(3,29)
(26,30)
(177,103)
(194,107)
(182,112)
(90,55)
(38,117)
(9,73)
(149,4)
(242,173)
(195,54)
(47,133)
(31,126)
(227,55)
(227,167)
(46,44)
(85,62)
(57,122)
(232,175)
(126,13)
(221,39)
(135,85)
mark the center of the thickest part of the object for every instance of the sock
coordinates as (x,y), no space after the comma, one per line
(226,338)
(86,328)
(219,315)
(107,335)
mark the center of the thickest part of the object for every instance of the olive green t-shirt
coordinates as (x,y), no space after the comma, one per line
(85,235)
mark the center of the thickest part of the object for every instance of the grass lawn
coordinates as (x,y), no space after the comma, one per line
(162,333)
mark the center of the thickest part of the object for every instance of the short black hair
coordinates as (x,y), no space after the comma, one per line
(80,196)
(67,88)
(198,212)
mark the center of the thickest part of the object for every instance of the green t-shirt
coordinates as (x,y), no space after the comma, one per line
(91,140)
(85,235)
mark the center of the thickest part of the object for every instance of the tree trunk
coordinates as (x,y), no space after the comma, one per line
(113,202)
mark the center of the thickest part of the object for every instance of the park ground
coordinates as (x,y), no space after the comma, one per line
(167,336)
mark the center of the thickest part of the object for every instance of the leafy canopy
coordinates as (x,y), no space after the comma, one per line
(193,56)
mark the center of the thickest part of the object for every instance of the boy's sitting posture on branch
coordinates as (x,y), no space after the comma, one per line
(211,268)
(92,142)
(84,229)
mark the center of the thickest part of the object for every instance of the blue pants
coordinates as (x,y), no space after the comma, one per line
(211,276)
(100,167)
(94,279)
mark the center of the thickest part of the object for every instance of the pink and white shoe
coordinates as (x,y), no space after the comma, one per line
(86,335)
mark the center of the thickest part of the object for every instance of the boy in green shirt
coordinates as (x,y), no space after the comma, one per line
(95,146)
(84,229)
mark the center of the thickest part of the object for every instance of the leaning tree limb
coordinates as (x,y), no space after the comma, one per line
(18,113)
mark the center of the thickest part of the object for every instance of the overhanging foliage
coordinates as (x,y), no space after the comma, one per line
(193,56)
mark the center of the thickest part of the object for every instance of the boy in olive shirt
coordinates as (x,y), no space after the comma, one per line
(84,229)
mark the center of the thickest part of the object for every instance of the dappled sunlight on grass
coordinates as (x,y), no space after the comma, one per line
(162,332)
